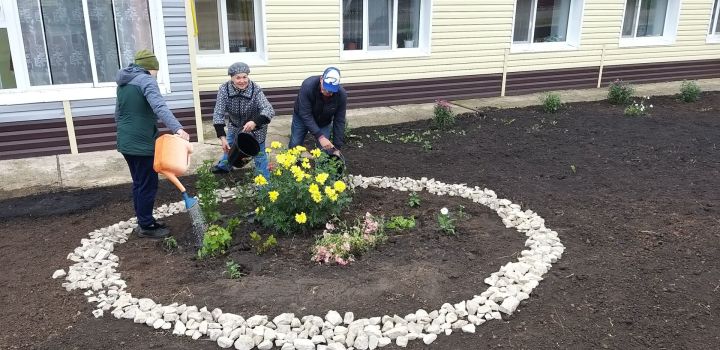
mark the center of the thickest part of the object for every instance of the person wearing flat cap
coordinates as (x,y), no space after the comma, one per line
(320,105)
(138,107)
(246,108)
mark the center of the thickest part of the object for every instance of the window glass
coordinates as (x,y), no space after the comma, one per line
(353,25)
(523,11)
(379,23)
(7,73)
(66,40)
(34,41)
(241,25)
(629,21)
(716,18)
(208,23)
(551,20)
(132,22)
(652,18)
(105,48)
(408,31)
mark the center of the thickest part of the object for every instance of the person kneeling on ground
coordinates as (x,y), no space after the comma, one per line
(248,110)
(321,104)
(138,106)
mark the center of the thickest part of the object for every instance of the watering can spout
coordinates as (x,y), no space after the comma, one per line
(189,201)
(172,178)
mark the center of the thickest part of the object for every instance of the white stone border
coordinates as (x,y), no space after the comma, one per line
(95,270)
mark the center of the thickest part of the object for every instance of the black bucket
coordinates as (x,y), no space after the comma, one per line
(243,149)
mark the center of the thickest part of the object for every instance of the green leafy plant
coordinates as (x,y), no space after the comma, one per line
(400,223)
(413,200)
(446,222)
(443,116)
(260,246)
(461,214)
(302,192)
(551,102)
(232,270)
(215,241)
(206,185)
(169,243)
(638,108)
(341,243)
(689,91)
(620,93)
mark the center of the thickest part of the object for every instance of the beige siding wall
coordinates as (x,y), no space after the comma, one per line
(468,37)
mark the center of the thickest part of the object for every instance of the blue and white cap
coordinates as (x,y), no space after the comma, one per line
(331,79)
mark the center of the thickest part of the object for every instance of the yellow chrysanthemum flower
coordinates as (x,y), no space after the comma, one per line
(334,197)
(317,197)
(300,149)
(329,191)
(339,186)
(301,218)
(275,144)
(273,195)
(268,150)
(259,210)
(260,180)
(316,152)
(314,188)
(278,172)
(321,178)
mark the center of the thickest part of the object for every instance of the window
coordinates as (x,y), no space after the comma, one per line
(71,43)
(649,22)
(546,25)
(384,27)
(228,28)
(714,32)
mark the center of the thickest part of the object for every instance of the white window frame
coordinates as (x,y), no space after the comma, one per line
(672,18)
(391,51)
(215,59)
(714,37)
(25,93)
(572,38)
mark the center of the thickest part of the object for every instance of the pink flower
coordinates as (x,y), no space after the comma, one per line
(341,261)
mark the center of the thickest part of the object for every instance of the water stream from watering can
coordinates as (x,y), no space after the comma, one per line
(199,226)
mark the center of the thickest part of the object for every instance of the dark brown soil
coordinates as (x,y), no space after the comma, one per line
(636,202)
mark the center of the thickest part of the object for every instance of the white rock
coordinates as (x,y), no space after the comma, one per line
(429,338)
(349,318)
(244,342)
(468,328)
(333,317)
(224,342)
(97,313)
(58,273)
(306,344)
(336,346)
(401,341)
(509,305)
(265,345)
(288,346)
(384,341)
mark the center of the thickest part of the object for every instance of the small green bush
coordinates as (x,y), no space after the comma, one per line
(443,116)
(232,269)
(620,93)
(262,247)
(400,223)
(689,91)
(551,102)
(206,185)
(413,200)
(215,241)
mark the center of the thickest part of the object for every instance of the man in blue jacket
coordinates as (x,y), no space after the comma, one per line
(320,105)
(138,106)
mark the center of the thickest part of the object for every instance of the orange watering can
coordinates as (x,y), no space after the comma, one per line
(172,159)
